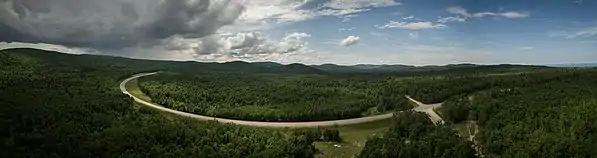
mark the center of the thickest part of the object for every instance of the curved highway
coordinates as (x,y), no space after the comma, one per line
(256,123)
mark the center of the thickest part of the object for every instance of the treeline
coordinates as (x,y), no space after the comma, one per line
(435,89)
(50,108)
(273,97)
(414,135)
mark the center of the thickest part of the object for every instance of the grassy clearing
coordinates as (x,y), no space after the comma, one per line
(133,88)
(354,138)
(462,130)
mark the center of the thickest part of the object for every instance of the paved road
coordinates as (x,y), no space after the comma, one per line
(265,124)
(428,109)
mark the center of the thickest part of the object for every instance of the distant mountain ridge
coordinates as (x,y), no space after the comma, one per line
(255,67)
(361,68)
(574,65)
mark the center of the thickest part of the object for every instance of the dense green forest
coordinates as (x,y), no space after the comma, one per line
(273,97)
(435,89)
(308,97)
(57,105)
(548,113)
(456,109)
(414,135)
(554,118)
(61,105)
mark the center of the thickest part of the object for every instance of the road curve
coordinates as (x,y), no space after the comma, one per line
(426,108)
(252,123)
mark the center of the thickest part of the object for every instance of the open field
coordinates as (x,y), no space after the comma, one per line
(354,138)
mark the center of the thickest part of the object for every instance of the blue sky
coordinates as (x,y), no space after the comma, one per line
(416,32)
(545,35)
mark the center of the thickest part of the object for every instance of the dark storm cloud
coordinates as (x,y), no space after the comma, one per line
(111,24)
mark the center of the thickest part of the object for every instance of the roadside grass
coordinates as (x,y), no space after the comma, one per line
(353,137)
(133,87)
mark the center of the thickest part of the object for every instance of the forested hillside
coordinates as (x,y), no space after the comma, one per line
(57,105)
(244,67)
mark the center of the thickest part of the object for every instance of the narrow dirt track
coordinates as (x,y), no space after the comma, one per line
(257,123)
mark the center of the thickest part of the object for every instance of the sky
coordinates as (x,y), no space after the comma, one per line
(346,32)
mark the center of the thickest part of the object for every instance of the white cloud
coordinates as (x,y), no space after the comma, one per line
(347,9)
(585,32)
(48,47)
(298,35)
(513,15)
(413,35)
(112,24)
(342,12)
(351,4)
(347,29)
(345,15)
(296,15)
(350,40)
(408,17)
(349,17)
(248,46)
(579,2)
(260,15)
(508,14)
(379,34)
(263,11)
(526,48)
(412,25)
(483,14)
(451,19)
(243,40)
(580,33)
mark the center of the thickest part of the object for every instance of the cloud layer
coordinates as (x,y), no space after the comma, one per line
(350,40)
(108,24)
(412,25)
(508,14)
(273,12)
(252,46)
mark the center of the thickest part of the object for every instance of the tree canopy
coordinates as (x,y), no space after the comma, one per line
(414,135)
(49,108)
(273,97)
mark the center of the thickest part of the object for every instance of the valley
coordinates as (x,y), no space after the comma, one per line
(55,104)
